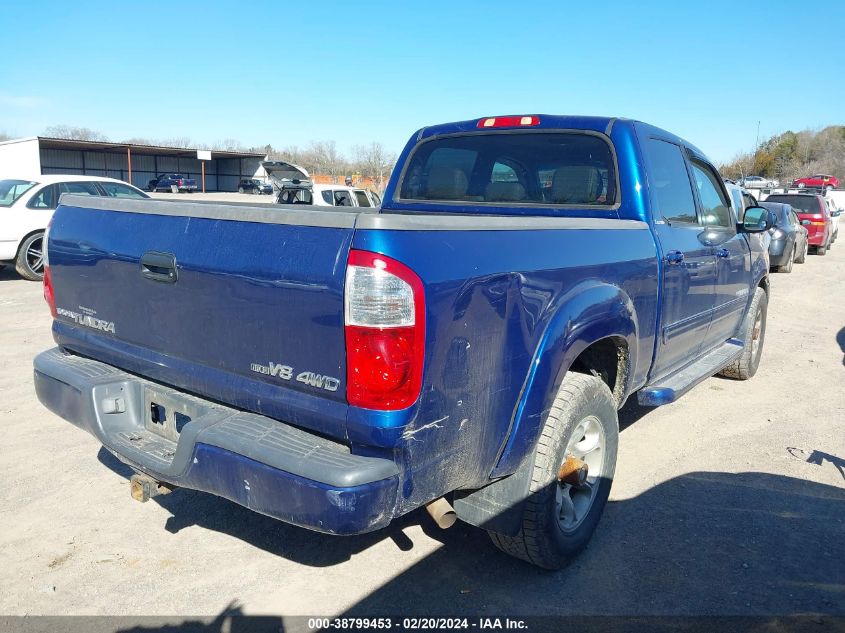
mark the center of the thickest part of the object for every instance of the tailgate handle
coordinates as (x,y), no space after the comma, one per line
(159,266)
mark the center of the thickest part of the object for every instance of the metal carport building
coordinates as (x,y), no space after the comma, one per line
(137,164)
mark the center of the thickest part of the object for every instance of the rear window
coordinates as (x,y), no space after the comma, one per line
(801,204)
(540,168)
(11,190)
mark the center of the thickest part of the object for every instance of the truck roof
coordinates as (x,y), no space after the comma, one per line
(603,124)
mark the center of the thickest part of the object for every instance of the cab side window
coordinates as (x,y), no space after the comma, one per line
(670,182)
(715,208)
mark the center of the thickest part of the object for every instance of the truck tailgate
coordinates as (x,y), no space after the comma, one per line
(250,315)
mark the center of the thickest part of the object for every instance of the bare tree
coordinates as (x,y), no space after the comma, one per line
(182,142)
(374,162)
(74,133)
(229,145)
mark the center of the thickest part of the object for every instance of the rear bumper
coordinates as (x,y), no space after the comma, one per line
(263,464)
(817,239)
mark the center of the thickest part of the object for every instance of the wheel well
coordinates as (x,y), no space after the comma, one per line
(607,359)
(25,238)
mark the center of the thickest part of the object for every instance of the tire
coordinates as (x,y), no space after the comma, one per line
(821,250)
(787,267)
(240,189)
(30,260)
(547,539)
(803,258)
(753,336)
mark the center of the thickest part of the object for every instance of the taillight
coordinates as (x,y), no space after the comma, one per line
(49,296)
(509,121)
(384,315)
(179,182)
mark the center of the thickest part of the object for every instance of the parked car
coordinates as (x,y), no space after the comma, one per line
(758,182)
(254,185)
(295,187)
(814,215)
(834,212)
(464,348)
(172,182)
(789,238)
(27,204)
(822,181)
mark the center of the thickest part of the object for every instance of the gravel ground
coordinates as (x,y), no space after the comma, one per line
(731,501)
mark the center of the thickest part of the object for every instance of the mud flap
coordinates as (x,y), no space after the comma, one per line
(499,506)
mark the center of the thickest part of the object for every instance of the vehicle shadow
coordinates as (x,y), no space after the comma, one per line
(8,273)
(840,338)
(704,543)
(191,507)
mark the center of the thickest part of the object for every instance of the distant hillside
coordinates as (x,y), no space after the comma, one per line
(792,155)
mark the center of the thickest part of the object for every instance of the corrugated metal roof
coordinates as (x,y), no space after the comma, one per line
(46,142)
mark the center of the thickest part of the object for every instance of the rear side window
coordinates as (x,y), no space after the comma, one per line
(670,184)
(361,197)
(327,197)
(540,168)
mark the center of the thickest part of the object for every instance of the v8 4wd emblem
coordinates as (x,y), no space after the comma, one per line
(285,372)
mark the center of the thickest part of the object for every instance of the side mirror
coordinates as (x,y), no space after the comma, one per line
(757,220)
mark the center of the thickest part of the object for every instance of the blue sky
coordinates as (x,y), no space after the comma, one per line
(286,73)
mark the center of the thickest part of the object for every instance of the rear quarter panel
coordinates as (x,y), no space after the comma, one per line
(506,311)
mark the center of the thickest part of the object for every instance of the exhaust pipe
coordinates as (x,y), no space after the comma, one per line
(442,512)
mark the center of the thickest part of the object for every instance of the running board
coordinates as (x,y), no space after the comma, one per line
(675,385)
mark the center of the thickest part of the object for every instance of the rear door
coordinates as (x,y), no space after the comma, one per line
(688,266)
(733,261)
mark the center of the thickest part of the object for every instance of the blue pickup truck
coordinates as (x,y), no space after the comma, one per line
(465,347)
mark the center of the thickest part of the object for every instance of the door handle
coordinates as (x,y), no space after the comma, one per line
(723,252)
(674,257)
(159,266)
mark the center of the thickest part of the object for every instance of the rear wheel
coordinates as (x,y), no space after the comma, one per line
(803,257)
(240,189)
(753,335)
(787,267)
(30,259)
(821,250)
(572,473)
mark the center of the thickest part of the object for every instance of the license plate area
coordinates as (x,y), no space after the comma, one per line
(166,414)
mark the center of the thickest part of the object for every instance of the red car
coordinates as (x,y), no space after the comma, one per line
(814,216)
(819,180)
